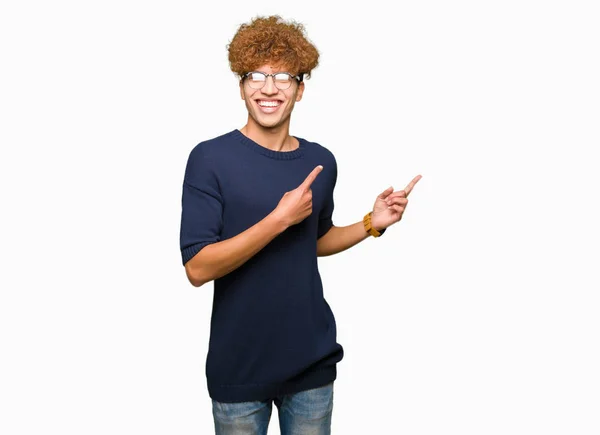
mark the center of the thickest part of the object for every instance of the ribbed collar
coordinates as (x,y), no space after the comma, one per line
(279,155)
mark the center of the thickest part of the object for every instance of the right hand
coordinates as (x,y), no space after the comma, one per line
(296,205)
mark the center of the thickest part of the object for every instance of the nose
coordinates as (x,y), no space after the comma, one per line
(269,87)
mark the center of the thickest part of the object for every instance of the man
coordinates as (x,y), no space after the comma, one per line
(257,210)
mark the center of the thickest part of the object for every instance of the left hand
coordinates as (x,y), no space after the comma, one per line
(389,207)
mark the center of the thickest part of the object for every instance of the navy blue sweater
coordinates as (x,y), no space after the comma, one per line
(272,332)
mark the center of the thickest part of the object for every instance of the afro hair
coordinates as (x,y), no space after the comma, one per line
(271,40)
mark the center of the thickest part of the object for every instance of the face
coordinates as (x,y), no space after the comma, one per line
(270,117)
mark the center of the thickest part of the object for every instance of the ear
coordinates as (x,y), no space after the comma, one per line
(300,91)
(242,90)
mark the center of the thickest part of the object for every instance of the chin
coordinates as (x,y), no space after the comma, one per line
(268,123)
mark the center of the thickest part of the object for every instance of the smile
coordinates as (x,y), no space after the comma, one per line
(268,106)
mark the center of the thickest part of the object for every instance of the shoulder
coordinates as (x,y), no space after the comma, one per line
(205,158)
(212,147)
(322,151)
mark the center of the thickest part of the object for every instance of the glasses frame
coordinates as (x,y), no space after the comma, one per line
(299,78)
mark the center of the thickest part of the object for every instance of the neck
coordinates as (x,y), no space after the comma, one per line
(275,138)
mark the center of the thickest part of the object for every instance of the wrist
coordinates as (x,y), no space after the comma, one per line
(371,229)
(277,222)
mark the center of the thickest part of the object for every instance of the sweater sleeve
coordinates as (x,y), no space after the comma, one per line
(201,205)
(326,214)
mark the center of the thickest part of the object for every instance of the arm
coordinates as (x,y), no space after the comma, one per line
(219,258)
(338,239)
(204,255)
(388,209)
(208,257)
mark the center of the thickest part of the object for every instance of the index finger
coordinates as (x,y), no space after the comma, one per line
(311,177)
(410,185)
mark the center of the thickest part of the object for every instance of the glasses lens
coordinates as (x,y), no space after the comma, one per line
(283,81)
(256,80)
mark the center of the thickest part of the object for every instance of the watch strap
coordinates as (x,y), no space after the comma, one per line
(369,227)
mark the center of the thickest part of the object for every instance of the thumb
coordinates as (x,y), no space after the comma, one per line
(386,192)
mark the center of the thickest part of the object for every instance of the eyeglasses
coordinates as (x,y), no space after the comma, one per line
(283,80)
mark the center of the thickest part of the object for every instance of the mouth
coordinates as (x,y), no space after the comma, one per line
(269,105)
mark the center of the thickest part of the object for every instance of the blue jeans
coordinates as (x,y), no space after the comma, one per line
(304,413)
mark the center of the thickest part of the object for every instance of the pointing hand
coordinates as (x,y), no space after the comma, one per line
(390,206)
(296,205)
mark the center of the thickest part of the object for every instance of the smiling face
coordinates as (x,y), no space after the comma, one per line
(280,102)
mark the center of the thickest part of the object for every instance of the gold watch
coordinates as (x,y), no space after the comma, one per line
(369,228)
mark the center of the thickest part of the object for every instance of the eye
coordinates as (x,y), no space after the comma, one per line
(257,77)
(282,78)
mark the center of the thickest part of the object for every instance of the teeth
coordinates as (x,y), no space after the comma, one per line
(269,103)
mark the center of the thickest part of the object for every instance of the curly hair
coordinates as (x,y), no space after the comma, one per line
(272,40)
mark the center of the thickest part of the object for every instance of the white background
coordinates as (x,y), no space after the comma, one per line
(476,314)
